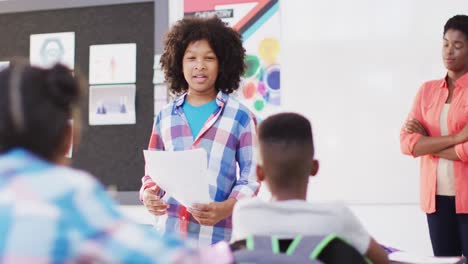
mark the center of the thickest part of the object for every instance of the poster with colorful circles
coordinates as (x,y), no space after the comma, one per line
(259,24)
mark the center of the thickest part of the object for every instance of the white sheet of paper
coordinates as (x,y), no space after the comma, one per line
(182,174)
(404,257)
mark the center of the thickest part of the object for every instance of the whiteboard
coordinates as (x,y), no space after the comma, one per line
(353,68)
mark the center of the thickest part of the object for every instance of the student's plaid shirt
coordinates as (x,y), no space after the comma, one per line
(55,214)
(229,137)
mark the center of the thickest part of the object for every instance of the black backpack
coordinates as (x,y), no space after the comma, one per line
(302,249)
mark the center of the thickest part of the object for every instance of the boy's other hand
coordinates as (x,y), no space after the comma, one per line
(153,202)
(212,213)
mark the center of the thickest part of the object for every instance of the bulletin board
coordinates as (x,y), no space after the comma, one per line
(112,153)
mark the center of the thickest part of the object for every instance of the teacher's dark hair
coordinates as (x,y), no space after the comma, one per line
(458,22)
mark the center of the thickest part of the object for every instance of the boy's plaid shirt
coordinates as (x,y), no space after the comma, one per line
(229,138)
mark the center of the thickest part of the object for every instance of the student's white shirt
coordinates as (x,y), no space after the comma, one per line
(287,219)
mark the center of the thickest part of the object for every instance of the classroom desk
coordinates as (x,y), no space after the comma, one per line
(432,261)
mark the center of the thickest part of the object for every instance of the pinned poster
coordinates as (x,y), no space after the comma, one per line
(112,64)
(160,97)
(112,105)
(258,21)
(158,74)
(70,148)
(45,50)
(4,65)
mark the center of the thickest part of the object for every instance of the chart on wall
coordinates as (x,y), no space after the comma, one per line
(112,104)
(259,24)
(45,50)
(4,65)
(112,76)
(112,63)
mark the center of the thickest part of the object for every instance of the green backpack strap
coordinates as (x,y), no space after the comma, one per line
(263,243)
(313,246)
(266,249)
(310,246)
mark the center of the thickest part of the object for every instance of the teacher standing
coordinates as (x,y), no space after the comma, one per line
(436,130)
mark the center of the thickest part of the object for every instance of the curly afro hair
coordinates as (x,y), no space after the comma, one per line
(458,22)
(225,42)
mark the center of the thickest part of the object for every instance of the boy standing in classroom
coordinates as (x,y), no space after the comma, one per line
(203,61)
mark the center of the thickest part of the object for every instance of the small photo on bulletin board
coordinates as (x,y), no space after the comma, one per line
(4,65)
(112,64)
(45,50)
(111,105)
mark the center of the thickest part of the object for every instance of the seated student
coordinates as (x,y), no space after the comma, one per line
(50,213)
(286,160)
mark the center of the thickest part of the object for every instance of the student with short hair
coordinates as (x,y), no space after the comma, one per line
(203,61)
(286,160)
(50,213)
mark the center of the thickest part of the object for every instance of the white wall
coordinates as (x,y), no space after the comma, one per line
(399,226)
(353,68)
(176,11)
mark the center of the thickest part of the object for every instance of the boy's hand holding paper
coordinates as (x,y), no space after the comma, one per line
(182,174)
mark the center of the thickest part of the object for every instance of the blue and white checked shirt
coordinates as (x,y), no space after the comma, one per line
(55,214)
(229,138)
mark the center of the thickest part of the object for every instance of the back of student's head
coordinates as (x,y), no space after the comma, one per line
(286,149)
(35,108)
